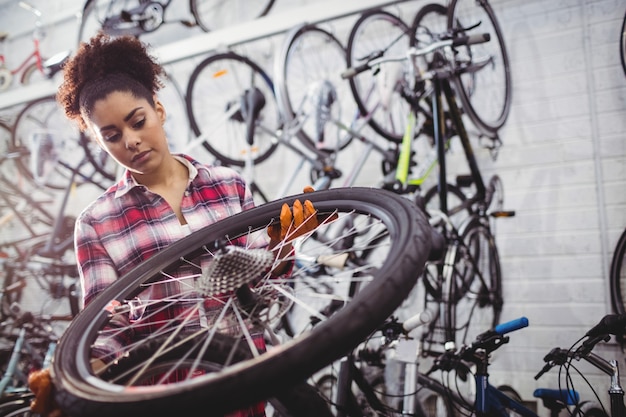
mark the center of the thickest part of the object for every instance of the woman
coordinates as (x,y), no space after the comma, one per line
(110,89)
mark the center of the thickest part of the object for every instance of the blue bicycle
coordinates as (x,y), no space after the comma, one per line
(502,401)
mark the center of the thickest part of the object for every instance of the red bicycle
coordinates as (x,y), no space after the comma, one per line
(34,63)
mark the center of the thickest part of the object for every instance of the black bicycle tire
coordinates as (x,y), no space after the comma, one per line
(29,71)
(285,102)
(456,295)
(487,126)
(299,400)
(22,163)
(429,8)
(297,359)
(622,45)
(589,409)
(617,275)
(194,119)
(88,10)
(85,13)
(14,405)
(96,162)
(448,397)
(434,288)
(353,62)
(202,24)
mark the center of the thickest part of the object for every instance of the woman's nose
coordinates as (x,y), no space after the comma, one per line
(132,141)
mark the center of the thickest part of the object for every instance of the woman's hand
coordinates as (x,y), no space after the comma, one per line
(40,383)
(295,221)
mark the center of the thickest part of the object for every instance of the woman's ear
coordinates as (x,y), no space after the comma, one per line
(160,109)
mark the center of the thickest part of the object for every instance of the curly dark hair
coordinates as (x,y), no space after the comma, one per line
(105,65)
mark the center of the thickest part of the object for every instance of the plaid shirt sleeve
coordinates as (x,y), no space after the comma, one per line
(128,224)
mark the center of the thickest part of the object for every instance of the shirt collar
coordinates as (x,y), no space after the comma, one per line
(128,182)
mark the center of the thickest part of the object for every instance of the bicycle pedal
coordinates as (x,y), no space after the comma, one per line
(464,180)
(502,213)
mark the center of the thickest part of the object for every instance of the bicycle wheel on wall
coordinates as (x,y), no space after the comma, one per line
(313,98)
(402,236)
(51,146)
(220,89)
(216,14)
(475,291)
(379,94)
(484,80)
(618,276)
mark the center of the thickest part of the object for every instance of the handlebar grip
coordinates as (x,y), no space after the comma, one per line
(352,71)
(610,324)
(471,39)
(511,326)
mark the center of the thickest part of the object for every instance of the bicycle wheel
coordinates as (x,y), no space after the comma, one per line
(109,16)
(429,24)
(177,127)
(51,146)
(32,74)
(458,210)
(622,44)
(484,74)
(402,237)
(618,275)
(474,294)
(16,405)
(215,14)
(7,165)
(313,98)
(380,94)
(589,409)
(219,92)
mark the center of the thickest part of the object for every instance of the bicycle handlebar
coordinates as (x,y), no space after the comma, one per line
(611,324)
(614,324)
(377,59)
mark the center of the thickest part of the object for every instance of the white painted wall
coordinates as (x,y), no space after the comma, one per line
(563,162)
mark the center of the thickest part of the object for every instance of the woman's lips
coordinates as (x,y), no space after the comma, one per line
(140,157)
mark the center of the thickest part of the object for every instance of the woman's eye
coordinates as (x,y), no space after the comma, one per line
(112,138)
(139,124)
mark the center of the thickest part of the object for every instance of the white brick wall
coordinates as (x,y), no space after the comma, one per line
(563,163)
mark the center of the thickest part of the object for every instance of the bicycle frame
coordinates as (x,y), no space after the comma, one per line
(35,54)
(6,75)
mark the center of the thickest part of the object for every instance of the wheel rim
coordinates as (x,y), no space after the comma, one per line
(389,280)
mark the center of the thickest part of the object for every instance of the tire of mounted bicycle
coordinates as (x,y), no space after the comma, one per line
(588,409)
(282,95)
(622,45)
(16,405)
(225,160)
(23,168)
(489,128)
(472,223)
(204,27)
(29,71)
(359,102)
(79,395)
(618,269)
(427,9)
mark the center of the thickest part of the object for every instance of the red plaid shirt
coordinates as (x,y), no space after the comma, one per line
(128,224)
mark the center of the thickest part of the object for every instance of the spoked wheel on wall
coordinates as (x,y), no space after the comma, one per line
(475,291)
(232,109)
(484,84)
(167,341)
(618,275)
